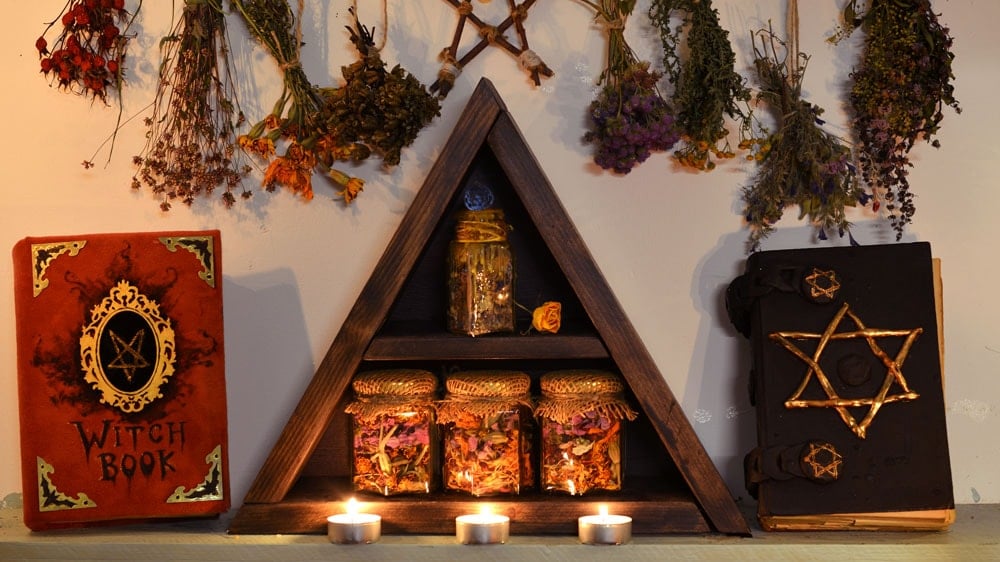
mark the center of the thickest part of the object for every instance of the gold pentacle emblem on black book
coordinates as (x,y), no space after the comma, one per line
(127,349)
(893,366)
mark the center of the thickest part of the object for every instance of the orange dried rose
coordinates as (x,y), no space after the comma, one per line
(548,317)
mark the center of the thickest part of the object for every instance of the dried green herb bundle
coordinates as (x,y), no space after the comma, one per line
(376,110)
(898,93)
(191,147)
(800,163)
(706,86)
(272,23)
(297,114)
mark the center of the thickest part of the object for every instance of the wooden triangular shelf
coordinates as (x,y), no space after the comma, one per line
(671,485)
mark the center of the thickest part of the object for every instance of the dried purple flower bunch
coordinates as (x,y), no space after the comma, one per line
(629,118)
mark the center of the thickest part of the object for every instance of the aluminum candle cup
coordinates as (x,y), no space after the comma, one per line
(353,527)
(482,528)
(605,529)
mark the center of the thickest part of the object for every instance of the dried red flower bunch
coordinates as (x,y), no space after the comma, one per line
(88,56)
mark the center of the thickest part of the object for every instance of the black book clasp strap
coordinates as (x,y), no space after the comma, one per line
(815,284)
(817,461)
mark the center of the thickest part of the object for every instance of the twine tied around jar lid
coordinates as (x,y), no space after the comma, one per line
(487,225)
(391,392)
(483,393)
(570,392)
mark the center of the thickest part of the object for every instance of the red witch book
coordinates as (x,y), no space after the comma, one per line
(121,377)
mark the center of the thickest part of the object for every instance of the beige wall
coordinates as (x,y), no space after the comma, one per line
(667,240)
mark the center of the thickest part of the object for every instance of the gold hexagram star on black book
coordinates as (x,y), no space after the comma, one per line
(894,369)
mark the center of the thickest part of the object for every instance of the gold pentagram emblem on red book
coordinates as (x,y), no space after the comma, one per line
(893,376)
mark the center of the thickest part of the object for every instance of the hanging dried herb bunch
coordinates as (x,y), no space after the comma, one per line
(629,119)
(376,111)
(897,94)
(799,163)
(297,114)
(706,86)
(191,145)
(88,56)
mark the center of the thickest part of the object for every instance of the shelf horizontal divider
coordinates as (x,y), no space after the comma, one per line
(454,347)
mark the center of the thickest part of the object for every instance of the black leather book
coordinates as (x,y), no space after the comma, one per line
(848,388)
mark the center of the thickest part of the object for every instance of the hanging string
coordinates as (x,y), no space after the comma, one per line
(792,33)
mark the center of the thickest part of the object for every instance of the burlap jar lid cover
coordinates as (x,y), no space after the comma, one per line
(570,392)
(483,393)
(391,392)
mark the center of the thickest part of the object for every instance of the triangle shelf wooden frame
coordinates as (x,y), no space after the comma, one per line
(689,497)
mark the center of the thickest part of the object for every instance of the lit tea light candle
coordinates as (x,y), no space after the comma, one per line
(484,527)
(353,527)
(604,528)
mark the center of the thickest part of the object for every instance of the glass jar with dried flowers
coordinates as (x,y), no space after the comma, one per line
(582,416)
(480,274)
(488,433)
(395,440)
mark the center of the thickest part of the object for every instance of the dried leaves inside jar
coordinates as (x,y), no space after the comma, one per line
(582,415)
(395,441)
(488,433)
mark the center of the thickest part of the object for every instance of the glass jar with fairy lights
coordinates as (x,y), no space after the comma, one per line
(480,268)
(395,441)
(582,416)
(488,433)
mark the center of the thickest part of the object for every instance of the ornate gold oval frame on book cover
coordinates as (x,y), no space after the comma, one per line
(121,377)
(848,387)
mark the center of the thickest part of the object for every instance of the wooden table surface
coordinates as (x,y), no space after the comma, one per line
(974,536)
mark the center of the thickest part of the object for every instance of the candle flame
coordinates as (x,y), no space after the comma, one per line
(353,508)
(602,510)
(485,510)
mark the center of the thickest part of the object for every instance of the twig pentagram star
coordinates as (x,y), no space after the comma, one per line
(129,358)
(894,373)
(488,35)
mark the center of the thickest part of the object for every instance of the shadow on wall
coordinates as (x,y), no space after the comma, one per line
(717,400)
(268,366)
